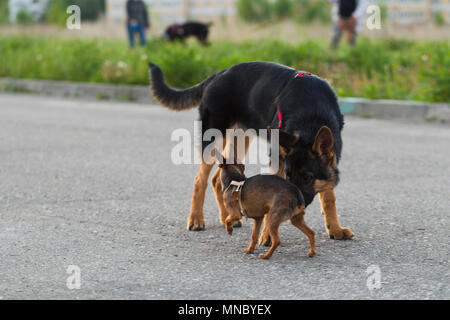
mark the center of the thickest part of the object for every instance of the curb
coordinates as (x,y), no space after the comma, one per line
(78,90)
(396,109)
(381,109)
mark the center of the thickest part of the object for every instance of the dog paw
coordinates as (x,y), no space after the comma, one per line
(264,240)
(341,234)
(311,253)
(265,256)
(229,228)
(237,224)
(196,224)
(249,250)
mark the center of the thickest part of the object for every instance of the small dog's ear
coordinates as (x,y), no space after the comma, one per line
(224,163)
(220,158)
(234,196)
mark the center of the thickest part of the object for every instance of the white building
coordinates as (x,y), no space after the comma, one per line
(36,8)
(409,12)
(170,11)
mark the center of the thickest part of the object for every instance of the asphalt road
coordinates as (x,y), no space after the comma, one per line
(91,184)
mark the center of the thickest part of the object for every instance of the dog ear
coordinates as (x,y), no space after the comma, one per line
(224,162)
(324,142)
(241,168)
(220,158)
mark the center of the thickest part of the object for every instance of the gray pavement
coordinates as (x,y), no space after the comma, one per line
(91,184)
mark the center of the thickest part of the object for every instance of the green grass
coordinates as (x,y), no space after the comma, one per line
(376,69)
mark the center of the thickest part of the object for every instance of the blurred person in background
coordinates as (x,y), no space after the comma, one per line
(347,17)
(137,21)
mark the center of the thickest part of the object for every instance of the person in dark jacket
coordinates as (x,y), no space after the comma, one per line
(347,17)
(137,21)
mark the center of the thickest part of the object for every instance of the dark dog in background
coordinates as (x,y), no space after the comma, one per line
(255,95)
(189,29)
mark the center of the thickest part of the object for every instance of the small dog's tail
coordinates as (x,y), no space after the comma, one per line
(174,99)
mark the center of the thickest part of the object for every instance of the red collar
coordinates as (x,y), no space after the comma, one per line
(280,117)
(301,74)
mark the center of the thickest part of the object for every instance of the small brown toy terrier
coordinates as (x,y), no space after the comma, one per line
(260,195)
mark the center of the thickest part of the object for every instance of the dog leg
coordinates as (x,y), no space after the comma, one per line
(334,228)
(230,220)
(264,240)
(255,234)
(300,223)
(217,186)
(275,236)
(196,220)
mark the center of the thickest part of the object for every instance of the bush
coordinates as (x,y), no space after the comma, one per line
(90,9)
(56,13)
(24,17)
(435,72)
(438,19)
(254,10)
(283,8)
(307,11)
(384,13)
(303,11)
(4,12)
(376,69)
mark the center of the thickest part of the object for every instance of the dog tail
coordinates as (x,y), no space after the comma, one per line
(173,99)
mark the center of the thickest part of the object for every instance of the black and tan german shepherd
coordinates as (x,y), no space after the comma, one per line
(256,95)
